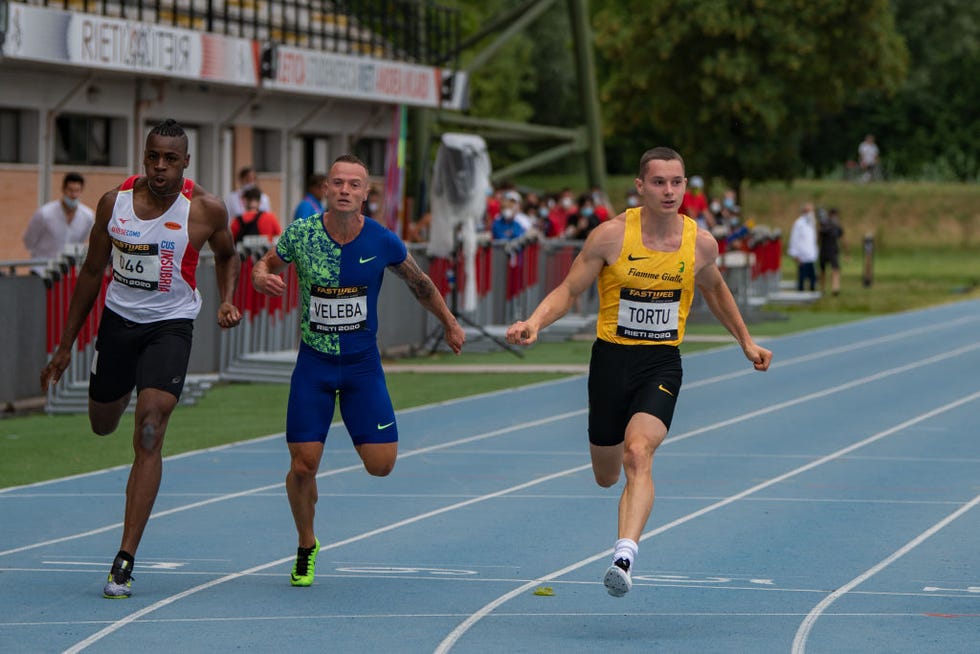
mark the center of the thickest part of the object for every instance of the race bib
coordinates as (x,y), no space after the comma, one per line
(337,310)
(136,265)
(649,315)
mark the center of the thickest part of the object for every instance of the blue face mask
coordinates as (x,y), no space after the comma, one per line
(70,203)
(587,211)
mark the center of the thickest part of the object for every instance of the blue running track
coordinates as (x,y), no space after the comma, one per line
(829,505)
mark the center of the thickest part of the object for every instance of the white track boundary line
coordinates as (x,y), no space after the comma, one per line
(258,439)
(463,627)
(713,380)
(112,628)
(115,626)
(328,473)
(725,423)
(803,632)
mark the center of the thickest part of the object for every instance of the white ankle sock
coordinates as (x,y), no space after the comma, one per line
(625,549)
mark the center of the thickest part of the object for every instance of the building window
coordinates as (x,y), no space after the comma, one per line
(83,140)
(10,129)
(266,150)
(372,152)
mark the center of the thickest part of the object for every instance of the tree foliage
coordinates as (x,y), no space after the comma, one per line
(931,127)
(737,87)
(496,87)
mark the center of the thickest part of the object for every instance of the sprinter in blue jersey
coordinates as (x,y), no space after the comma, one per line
(340,259)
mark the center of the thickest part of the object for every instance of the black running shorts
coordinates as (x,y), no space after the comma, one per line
(629,379)
(141,355)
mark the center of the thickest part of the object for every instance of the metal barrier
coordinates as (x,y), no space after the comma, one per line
(70,394)
(511,278)
(263,346)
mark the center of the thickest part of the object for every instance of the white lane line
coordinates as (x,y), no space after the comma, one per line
(803,632)
(526,425)
(166,601)
(460,630)
(857,345)
(450,640)
(269,437)
(502,614)
(115,626)
(840,349)
(327,473)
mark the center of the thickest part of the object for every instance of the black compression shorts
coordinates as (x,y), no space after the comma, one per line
(831,259)
(629,379)
(141,355)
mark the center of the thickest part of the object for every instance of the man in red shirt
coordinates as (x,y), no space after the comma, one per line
(695,204)
(254,221)
(559,214)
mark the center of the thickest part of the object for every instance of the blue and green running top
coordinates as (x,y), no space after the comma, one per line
(339,285)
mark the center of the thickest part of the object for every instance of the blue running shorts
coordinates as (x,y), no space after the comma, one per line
(357,379)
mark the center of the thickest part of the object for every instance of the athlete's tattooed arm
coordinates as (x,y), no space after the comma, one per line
(417,281)
(428,295)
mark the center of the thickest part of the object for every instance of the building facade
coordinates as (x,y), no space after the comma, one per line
(283,87)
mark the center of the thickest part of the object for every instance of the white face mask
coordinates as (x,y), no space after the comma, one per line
(632,201)
(70,203)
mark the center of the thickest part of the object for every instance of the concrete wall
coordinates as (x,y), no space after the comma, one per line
(22,348)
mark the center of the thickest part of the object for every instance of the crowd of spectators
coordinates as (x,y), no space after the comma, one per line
(567,214)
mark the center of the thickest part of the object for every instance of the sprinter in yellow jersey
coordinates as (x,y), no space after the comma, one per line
(647,261)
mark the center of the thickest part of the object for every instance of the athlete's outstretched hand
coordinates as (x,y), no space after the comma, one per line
(521,333)
(228,315)
(268,283)
(53,371)
(759,356)
(455,337)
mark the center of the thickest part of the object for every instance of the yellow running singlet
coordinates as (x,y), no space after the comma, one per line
(645,296)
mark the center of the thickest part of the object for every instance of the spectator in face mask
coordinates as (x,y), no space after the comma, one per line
(372,206)
(513,201)
(558,217)
(312,202)
(235,200)
(584,221)
(695,203)
(600,202)
(506,226)
(543,211)
(60,222)
(632,198)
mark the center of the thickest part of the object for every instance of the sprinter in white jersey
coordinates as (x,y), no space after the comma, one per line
(151,230)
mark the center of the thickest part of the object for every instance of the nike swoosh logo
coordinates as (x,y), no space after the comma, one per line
(661,387)
(632,258)
(380,426)
(363,260)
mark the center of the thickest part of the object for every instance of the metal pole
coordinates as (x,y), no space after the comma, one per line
(869,260)
(578,12)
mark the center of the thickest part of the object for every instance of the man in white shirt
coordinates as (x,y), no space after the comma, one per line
(59,222)
(868,158)
(234,201)
(803,247)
